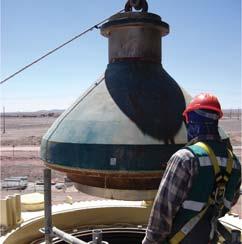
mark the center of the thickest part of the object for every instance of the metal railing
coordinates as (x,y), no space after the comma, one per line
(51,231)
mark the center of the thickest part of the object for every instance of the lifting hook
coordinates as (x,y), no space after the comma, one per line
(137,5)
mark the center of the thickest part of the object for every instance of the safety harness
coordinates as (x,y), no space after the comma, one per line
(216,199)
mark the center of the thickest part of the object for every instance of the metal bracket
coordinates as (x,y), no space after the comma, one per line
(97,237)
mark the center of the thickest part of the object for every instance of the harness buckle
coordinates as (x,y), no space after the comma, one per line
(219,195)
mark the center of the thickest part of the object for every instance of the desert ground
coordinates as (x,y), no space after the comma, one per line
(20,155)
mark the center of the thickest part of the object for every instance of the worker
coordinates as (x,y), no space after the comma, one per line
(200,184)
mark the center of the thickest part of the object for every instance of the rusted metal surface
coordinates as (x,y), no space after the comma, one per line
(115,180)
(141,182)
(130,35)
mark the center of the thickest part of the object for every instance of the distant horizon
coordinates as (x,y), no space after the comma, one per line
(62,110)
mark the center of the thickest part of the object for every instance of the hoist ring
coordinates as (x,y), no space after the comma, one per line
(137,5)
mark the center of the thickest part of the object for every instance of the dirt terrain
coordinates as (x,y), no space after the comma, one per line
(20,155)
(25,130)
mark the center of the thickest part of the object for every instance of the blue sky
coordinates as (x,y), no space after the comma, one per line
(202,51)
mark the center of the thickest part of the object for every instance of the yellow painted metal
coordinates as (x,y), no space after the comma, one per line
(32,202)
(10,212)
(13,209)
(69,200)
(147,203)
(18,207)
(101,216)
(4,213)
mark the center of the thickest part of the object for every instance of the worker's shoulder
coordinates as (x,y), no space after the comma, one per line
(184,154)
(184,159)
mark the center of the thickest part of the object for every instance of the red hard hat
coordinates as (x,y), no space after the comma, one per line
(204,101)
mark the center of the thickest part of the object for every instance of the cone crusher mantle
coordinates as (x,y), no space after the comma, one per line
(115,140)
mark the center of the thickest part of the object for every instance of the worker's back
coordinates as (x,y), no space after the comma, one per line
(202,189)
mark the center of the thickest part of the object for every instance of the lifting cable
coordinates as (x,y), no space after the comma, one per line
(97,26)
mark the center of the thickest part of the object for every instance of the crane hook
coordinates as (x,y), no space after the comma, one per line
(137,5)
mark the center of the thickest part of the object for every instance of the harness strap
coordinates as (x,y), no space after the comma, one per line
(180,235)
(215,164)
(212,156)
